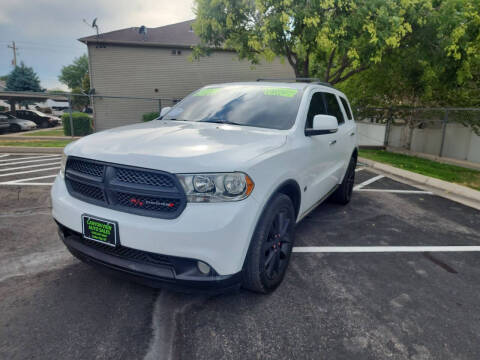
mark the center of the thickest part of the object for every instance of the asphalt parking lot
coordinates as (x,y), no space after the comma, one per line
(337,301)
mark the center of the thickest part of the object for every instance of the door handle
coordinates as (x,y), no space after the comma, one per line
(351,134)
(332,142)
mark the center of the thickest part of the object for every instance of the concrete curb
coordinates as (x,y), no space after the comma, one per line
(459,193)
(31,150)
(443,160)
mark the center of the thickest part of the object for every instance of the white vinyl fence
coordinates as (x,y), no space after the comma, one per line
(460,141)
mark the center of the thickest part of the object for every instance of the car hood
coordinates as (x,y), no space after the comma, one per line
(179,147)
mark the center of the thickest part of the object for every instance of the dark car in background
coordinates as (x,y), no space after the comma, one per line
(4,124)
(41,119)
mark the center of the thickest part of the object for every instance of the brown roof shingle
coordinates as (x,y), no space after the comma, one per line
(179,34)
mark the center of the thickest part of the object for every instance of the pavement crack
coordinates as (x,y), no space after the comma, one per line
(168,308)
(440,263)
(34,263)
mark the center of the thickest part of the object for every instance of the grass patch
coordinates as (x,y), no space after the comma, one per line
(35,143)
(447,172)
(56,132)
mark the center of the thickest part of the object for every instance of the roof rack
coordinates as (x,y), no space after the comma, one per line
(298,79)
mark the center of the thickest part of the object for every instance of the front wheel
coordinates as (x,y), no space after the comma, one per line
(271,246)
(44,124)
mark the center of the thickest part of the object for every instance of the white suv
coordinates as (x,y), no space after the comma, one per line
(207,196)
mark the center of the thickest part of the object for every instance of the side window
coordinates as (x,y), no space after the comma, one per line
(347,108)
(333,107)
(317,106)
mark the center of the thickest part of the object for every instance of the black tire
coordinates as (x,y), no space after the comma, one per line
(271,246)
(15,128)
(343,194)
(44,124)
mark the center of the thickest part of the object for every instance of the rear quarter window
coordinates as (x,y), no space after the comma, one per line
(347,108)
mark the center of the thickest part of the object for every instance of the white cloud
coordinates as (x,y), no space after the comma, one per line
(46,31)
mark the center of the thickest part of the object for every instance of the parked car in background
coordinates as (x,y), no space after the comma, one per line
(16,124)
(42,120)
(4,125)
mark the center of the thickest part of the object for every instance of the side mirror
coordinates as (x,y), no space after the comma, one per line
(165,110)
(323,124)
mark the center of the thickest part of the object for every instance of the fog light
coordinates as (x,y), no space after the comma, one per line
(203,268)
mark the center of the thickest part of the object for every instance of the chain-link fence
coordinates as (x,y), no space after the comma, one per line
(444,132)
(110,111)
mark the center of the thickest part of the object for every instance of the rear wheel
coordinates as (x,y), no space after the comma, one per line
(44,124)
(271,246)
(343,194)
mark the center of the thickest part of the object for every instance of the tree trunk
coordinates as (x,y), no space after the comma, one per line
(13,109)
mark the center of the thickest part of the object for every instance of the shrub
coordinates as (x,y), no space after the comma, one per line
(150,116)
(82,124)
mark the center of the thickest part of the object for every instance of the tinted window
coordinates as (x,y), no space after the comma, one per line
(249,105)
(317,106)
(347,109)
(333,107)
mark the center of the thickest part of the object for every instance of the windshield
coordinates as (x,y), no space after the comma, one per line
(248,105)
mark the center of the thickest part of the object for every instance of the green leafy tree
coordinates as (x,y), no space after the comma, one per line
(330,39)
(439,64)
(73,75)
(23,78)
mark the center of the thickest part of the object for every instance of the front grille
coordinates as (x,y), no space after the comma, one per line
(125,188)
(86,167)
(87,191)
(142,177)
(128,253)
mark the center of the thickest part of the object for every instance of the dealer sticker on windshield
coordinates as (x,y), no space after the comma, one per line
(285,92)
(100,230)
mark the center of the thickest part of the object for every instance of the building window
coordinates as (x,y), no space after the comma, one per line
(176,52)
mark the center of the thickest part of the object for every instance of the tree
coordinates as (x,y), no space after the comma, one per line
(439,64)
(330,39)
(23,78)
(74,74)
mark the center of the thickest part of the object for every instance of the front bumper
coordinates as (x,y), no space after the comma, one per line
(154,270)
(216,233)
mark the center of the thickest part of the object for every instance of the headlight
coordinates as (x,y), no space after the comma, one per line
(216,187)
(63,164)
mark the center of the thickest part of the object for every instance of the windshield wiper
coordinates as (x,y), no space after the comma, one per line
(221,121)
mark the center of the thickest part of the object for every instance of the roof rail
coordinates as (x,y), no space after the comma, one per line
(298,79)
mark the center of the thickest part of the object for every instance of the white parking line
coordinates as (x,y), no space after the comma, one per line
(396,191)
(30,171)
(21,181)
(25,162)
(382,249)
(368,182)
(359,169)
(29,166)
(29,183)
(31,157)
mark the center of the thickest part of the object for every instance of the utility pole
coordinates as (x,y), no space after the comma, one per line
(14,48)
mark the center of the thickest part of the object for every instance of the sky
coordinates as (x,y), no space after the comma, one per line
(46,31)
